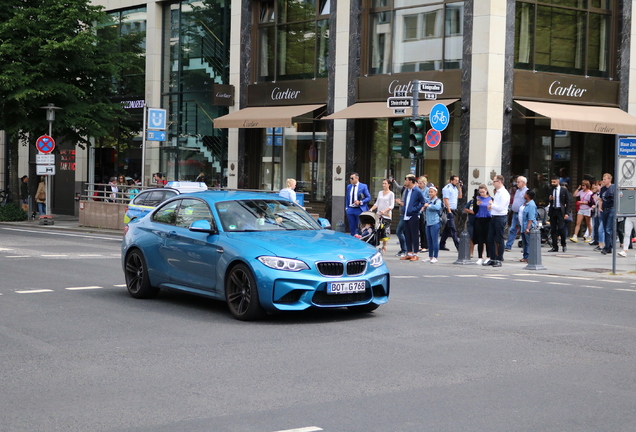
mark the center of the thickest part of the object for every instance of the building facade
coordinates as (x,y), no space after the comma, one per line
(261,91)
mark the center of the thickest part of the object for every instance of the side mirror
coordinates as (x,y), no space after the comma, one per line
(324,223)
(202,226)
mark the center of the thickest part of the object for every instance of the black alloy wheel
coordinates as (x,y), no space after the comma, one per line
(137,280)
(241,293)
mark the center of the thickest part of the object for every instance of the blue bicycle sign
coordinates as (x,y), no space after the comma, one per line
(439,117)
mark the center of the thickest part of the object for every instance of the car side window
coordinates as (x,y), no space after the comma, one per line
(141,198)
(192,210)
(168,213)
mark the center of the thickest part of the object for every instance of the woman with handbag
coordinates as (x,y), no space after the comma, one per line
(40,197)
(583,195)
(384,205)
(482,221)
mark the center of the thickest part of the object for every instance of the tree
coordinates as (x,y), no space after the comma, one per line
(50,52)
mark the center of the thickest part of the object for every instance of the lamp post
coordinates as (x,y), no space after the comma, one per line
(50,117)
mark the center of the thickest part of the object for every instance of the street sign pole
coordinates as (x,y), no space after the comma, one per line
(416,96)
(47,185)
(143,148)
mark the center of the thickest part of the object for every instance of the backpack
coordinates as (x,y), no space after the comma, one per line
(443,215)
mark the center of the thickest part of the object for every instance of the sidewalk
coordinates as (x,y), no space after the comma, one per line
(580,260)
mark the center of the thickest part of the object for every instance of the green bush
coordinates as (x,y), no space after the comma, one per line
(12,213)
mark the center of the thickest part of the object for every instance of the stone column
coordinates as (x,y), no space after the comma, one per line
(487,90)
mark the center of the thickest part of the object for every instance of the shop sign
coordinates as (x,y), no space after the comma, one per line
(297,92)
(133,104)
(223,95)
(551,87)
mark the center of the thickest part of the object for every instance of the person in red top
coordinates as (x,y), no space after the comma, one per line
(158,178)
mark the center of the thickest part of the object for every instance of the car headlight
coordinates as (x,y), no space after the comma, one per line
(376,260)
(286,264)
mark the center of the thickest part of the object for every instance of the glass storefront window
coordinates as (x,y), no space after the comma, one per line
(297,152)
(415,35)
(567,36)
(197,43)
(293,42)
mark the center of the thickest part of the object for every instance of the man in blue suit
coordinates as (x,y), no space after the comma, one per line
(413,203)
(356,201)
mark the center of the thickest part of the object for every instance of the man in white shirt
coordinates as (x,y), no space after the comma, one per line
(518,201)
(499,209)
(451,193)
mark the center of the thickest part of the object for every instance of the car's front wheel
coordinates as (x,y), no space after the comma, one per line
(137,280)
(241,293)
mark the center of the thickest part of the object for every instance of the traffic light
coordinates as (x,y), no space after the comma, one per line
(400,137)
(416,137)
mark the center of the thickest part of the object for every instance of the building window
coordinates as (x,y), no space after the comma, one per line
(293,39)
(408,38)
(571,37)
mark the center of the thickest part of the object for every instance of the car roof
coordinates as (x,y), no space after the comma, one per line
(218,196)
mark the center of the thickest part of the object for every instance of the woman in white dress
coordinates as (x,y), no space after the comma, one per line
(384,204)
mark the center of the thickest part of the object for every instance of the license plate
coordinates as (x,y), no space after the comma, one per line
(346,287)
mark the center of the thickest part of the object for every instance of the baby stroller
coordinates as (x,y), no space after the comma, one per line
(369,227)
(544,227)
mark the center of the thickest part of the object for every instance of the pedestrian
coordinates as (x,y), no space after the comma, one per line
(132,189)
(433,209)
(527,215)
(597,224)
(413,203)
(482,221)
(451,193)
(422,183)
(470,221)
(290,191)
(559,214)
(607,193)
(40,196)
(24,193)
(583,194)
(496,231)
(630,223)
(158,178)
(356,201)
(122,186)
(384,205)
(399,232)
(517,202)
(112,183)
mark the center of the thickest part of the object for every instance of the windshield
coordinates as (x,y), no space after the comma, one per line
(264,215)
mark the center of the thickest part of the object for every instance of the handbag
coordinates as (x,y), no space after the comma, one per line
(41,196)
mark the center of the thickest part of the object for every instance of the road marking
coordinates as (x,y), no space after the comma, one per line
(303,429)
(17,256)
(558,283)
(434,276)
(591,286)
(624,289)
(34,291)
(83,288)
(40,231)
(525,280)
(466,276)
(393,277)
(123,285)
(55,255)
(90,255)
(5,249)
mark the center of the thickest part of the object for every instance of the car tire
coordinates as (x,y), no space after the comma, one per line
(369,307)
(137,279)
(241,294)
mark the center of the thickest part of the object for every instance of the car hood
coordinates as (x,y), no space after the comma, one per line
(321,244)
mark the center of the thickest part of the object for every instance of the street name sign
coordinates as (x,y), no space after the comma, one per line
(433,87)
(399,102)
(627,146)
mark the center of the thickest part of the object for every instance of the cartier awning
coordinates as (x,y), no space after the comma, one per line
(271,116)
(583,118)
(363,110)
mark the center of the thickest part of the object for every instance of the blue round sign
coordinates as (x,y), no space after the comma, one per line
(439,117)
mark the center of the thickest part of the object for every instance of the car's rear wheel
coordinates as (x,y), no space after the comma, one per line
(137,280)
(369,307)
(241,293)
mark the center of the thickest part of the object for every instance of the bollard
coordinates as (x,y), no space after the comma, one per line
(534,250)
(463,252)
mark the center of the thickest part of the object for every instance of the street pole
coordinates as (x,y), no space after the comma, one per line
(416,97)
(143,148)
(50,116)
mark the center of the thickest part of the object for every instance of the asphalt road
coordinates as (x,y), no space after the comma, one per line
(455,349)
